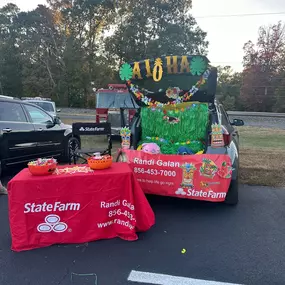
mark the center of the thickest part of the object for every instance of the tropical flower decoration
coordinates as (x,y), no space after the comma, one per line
(225,171)
(173,92)
(126,72)
(198,65)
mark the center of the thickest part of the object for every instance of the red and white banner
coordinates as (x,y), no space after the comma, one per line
(202,177)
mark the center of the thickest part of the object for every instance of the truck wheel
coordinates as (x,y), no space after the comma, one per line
(232,195)
(73,144)
(3,190)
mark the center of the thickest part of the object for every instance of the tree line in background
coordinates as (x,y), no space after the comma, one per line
(67,48)
(261,85)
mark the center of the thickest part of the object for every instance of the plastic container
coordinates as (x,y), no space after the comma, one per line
(103,163)
(42,166)
(38,170)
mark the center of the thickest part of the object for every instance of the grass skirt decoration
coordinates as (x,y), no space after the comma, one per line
(171,127)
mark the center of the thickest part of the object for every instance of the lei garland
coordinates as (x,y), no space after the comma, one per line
(169,141)
(182,98)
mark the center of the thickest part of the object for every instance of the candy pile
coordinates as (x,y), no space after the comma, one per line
(43,162)
(98,156)
(73,170)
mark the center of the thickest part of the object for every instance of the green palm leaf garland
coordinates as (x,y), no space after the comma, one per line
(198,65)
(126,72)
(189,131)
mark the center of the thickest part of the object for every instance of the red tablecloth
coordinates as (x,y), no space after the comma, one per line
(76,208)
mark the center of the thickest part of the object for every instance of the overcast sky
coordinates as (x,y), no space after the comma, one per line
(226,35)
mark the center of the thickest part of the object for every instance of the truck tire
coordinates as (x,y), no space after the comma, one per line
(232,195)
(1,168)
(72,145)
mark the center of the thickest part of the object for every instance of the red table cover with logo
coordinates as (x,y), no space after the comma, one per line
(76,208)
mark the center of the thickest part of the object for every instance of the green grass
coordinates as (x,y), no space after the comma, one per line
(262,156)
(253,137)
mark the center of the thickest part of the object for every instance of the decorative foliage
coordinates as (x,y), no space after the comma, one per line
(125,131)
(190,131)
(198,65)
(161,140)
(126,71)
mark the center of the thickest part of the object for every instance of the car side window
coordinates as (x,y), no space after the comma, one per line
(37,115)
(12,112)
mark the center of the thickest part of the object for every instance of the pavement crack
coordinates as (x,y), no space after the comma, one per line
(64,276)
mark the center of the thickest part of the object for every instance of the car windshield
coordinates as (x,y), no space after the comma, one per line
(47,106)
(115,100)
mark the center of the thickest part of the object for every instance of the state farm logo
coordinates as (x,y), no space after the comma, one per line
(52,224)
(200,193)
(180,191)
(91,129)
(45,207)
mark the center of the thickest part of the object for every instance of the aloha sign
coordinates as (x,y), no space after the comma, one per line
(156,68)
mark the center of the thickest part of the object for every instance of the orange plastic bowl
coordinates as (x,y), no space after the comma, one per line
(42,169)
(96,164)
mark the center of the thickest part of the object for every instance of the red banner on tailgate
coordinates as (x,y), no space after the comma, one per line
(201,177)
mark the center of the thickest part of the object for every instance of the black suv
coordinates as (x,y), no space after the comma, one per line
(217,114)
(27,132)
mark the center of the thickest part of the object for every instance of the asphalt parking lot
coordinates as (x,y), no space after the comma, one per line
(237,245)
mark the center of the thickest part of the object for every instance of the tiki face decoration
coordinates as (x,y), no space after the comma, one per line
(125,137)
(217,138)
(188,174)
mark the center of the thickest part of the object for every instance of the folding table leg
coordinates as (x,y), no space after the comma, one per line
(3,190)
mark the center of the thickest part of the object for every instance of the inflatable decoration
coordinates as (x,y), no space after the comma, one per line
(151,148)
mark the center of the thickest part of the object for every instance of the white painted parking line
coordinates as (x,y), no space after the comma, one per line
(163,279)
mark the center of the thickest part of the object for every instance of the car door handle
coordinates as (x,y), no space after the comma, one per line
(40,129)
(7,130)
